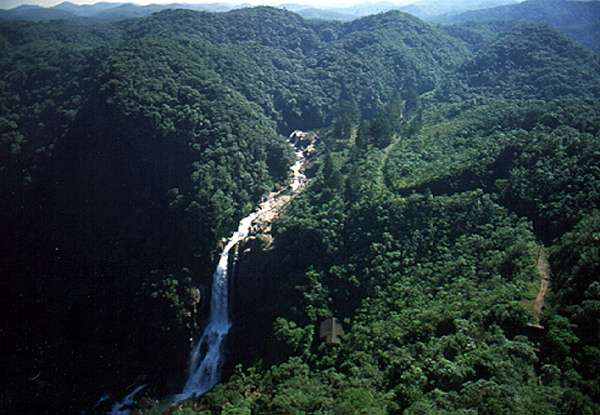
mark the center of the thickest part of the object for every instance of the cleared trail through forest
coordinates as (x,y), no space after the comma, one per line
(543,268)
(385,160)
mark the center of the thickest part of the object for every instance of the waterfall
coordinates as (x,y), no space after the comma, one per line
(206,357)
(122,407)
(207,354)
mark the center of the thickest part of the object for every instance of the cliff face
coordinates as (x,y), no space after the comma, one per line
(253,304)
(255,297)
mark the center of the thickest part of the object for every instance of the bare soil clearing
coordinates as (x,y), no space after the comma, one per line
(543,268)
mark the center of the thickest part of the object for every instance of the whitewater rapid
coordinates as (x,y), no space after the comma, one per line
(122,407)
(207,354)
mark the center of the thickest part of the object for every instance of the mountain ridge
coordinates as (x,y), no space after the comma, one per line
(579,20)
(129,150)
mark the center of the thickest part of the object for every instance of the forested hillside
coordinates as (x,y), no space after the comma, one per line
(579,20)
(114,11)
(426,249)
(448,156)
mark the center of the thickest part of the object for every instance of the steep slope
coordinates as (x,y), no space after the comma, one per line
(520,150)
(532,61)
(432,288)
(303,67)
(119,185)
(129,150)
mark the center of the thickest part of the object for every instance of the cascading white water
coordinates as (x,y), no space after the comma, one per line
(122,407)
(206,358)
(298,178)
(207,354)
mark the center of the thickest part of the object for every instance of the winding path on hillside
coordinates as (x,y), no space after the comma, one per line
(543,268)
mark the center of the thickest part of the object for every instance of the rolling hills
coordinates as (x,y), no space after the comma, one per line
(578,20)
(129,149)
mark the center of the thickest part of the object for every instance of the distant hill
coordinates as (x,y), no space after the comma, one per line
(425,9)
(579,20)
(533,62)
(320,14)
(103,11)
(86,10)
(35,13)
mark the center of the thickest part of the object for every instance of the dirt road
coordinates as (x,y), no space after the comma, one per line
(543,268)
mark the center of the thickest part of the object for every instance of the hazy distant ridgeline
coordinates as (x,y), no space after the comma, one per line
(579,20)
(101,11)
(118,11)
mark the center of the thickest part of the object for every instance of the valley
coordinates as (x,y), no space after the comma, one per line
(439,159)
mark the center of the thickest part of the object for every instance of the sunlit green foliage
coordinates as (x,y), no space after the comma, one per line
(430,267)
(129,150)
(532,62)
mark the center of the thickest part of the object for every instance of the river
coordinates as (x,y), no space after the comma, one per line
(207,355)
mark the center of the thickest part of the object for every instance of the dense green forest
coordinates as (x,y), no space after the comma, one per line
(578,20)
(114,11)
(427,250)
(448,157)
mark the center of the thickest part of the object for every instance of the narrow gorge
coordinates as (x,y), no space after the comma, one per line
(207,355)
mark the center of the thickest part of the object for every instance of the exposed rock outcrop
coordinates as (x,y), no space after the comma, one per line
(252,304)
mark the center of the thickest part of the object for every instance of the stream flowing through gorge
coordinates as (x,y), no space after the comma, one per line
(206,358)
(207,355)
